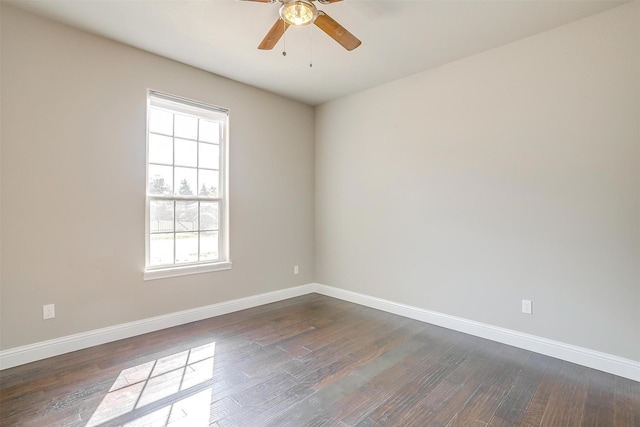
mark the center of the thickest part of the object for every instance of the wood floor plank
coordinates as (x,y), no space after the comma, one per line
(321,402)
(626,403)
(444,413)
(517,400)
(600,404)
(357,406)
(395,409)
(538,405)
(391,384)
(479,408)
(567,400)
(312,361)
(461,379)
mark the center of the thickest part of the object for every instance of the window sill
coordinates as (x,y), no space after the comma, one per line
(163,273)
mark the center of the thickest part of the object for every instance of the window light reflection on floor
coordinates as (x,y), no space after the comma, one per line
(138,395)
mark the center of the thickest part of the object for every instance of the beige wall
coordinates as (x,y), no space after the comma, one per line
(73,183)
(513,174)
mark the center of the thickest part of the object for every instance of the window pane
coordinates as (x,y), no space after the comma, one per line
(161,215)
(160,149)
(186,127)
(186,153)
(208,246)
(186,247)
(208,215)
(209,131)
(209,156)
(208,180)
(186,216)
(160,121)
(161,249)
(160,179)
(185,181)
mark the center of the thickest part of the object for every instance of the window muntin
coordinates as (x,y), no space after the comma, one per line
(186,185)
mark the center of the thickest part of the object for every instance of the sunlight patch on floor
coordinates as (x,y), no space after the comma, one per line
(139,389)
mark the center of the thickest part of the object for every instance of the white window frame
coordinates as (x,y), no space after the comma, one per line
(186,106)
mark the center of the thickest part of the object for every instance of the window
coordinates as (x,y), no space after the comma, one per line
(187,220)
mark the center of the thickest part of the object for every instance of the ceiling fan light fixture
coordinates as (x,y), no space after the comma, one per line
(298,12)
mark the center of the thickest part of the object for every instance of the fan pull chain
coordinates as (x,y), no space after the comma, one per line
(284,39)
(310,46)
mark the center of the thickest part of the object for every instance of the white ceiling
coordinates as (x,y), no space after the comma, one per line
(399,37)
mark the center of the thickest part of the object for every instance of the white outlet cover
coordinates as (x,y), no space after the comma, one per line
(48,311)
(526,306)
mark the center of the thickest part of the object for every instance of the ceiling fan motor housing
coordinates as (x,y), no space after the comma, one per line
(298,12)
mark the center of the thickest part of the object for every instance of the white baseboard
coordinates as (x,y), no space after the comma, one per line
(42,350)
(582,356)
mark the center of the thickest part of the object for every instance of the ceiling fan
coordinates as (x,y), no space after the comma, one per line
(304,12)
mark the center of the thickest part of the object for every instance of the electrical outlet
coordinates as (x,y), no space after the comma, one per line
(296,270)
(527,306)
(48,311)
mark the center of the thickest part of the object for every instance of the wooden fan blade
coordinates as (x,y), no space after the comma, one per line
(274,35)
(328,1)
(261,1)
(336,31)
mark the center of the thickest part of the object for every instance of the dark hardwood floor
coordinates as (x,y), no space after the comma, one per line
(312,361)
